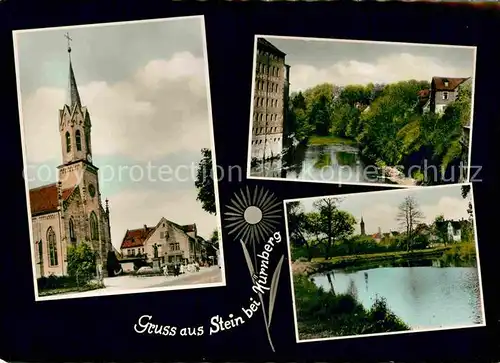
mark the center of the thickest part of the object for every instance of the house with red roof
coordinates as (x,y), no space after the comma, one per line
(70,211)
(166,241)
(443,91)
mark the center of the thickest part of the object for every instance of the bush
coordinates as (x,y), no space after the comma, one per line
(460,255)
(81,262)
(55,282)
(320,312)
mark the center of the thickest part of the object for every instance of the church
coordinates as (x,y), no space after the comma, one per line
(70,211)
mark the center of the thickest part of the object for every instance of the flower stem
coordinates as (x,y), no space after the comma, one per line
(265,322)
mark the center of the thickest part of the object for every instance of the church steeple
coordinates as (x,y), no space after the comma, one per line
(74,122)
(73,95)
(362,226)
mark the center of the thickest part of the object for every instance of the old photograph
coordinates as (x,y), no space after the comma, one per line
(361,112)
(118,155)
(388,262)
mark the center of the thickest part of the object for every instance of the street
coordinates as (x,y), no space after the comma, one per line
(209,275)
(127,284)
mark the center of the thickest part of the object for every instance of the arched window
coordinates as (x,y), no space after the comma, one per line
(68,142)
(51,241)
(40,252)
(78,140)
(94,229)
(72,235)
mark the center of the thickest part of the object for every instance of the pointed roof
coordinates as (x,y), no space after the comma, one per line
(263,43)
(73,95)
(447,83)
(136,237)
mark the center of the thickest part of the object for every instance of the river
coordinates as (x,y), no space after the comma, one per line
(424,297)
(327,163)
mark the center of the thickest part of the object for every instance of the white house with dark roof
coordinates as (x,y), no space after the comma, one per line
(443,91)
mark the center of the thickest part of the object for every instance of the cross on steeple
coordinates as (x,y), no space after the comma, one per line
(73,95)
(69,41)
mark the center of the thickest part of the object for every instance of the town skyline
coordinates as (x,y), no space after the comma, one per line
(379,209)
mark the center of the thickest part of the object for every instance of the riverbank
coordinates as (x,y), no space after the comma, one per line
(387,173)
(329,140)
(322,314)
(463,251)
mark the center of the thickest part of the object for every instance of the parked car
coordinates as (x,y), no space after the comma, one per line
(145,270)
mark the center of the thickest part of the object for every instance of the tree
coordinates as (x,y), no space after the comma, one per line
(204,182)
(391,111)
(465,194)
(345,120)
(320,115)
(215,237)
(112,264)
(298,227)
(441,229)
(353,94)
(409,216)
(81,262)
(212,245)
(329,224)
(298,120)
(468,226)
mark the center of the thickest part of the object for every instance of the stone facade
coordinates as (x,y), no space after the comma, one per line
(270,101)
(70,211)
(173,243)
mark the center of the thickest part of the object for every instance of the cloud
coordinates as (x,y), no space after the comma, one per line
(451,208)
(132,208)
(160,109)
(391,68)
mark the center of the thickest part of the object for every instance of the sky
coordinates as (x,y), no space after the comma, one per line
(379,209)
(313,62)
(145,86)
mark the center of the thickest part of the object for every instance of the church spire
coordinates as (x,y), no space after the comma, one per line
(73,95)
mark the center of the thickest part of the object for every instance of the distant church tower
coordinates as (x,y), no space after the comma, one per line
(362,225)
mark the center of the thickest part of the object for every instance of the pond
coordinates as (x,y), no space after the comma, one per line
(424,297)
(329,163)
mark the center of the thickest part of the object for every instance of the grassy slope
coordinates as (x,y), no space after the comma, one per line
(332,139)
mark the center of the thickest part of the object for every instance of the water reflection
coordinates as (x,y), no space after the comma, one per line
(427,294)
(334,162)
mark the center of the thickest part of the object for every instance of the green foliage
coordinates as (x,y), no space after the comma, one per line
(204,182)
(55,282)
(345,120)
(215,237)
(441,229)
(387,122)
(394,109)
(461,254)
(321,313)
(81,261)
